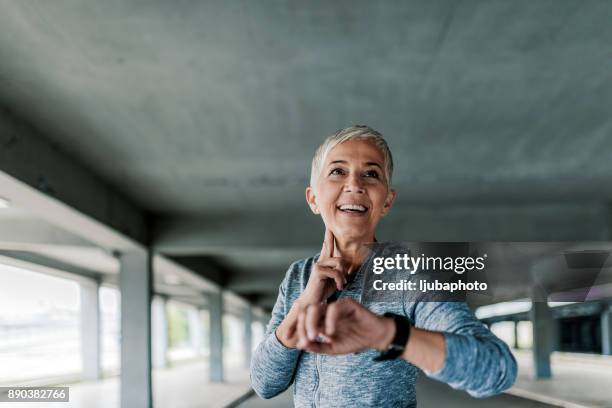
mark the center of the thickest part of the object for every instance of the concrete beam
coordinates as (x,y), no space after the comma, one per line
(166,268)
(38,177)
(205,267)
(196,302)
(301,230)
(136,290)
(47,265)
(30,234)
(252,282)
(177,290)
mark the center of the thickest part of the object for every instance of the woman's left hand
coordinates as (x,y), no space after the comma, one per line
(342,327)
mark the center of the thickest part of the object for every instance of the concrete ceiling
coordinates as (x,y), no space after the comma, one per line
(205,115)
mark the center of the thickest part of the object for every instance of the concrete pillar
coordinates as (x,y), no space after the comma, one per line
(91,345)
(606,331)
(216,336)
(516,335)
(542,326)
(555,335)
(265,319)
(205,320)
(195,330)
(159,332)
(248,335)
(135,282)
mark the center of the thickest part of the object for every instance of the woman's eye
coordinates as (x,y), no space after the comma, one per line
(371,173)
(336,172)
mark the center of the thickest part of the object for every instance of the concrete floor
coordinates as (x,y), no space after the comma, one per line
(430,394)
(183,386)
(434,394)
(579,381)
(280,401)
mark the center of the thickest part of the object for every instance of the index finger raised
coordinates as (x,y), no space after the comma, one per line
(328,244)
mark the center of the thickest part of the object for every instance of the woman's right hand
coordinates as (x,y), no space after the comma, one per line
(328,274)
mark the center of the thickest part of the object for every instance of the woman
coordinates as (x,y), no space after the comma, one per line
(350,190)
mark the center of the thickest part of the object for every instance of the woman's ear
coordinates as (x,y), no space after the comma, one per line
(389,202)
(311,199)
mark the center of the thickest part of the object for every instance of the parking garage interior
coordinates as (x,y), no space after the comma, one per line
(154,156)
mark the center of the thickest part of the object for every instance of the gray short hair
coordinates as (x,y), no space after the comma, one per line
(357,132)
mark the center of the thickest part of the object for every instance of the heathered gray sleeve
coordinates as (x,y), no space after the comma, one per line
(273,364)
(476,360)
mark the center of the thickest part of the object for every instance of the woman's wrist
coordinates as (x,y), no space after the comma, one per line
(284,329)
(425,349)
(385,333)
(307,298)
(282,338)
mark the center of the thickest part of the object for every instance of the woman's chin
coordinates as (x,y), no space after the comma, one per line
(354,233)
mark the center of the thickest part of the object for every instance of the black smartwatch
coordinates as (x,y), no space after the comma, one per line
(398,344)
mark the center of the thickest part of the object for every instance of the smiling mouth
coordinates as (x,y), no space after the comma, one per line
(353,208)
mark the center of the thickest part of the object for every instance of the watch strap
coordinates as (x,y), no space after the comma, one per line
(398,344)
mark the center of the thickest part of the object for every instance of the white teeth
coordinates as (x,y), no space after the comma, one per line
(354,207)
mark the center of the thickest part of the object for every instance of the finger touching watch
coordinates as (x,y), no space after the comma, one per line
(398,344)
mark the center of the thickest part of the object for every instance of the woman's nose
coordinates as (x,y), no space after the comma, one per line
(353,185)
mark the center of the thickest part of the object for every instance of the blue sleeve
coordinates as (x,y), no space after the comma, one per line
(476,360)
(273,364)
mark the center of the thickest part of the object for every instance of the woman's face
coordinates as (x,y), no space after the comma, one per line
(351,192)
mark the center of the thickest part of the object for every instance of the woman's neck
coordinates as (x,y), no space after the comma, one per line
(352,250)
